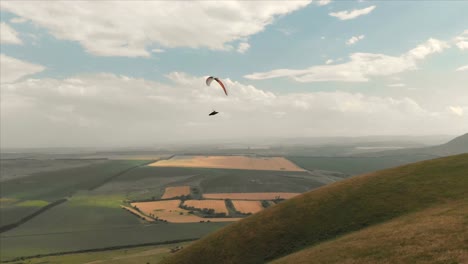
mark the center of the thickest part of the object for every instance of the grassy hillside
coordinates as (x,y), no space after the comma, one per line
(455,146)
(332,211)
(434,235)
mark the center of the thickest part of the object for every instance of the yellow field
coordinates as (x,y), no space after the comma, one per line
(250,196)
(169,210)
(230,162)
(171,192)
(218,205)
(247,207)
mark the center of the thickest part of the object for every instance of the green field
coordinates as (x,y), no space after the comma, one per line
(133,255)
(333,211)
(92,217)
(355,165)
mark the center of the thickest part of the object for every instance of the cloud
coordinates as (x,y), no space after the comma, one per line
(8,35)
(462,68)
(18,20)
(329,61)
(12,69)
(360,67)
(346,15)
(122,28)
(353,40)
(111,110)
(158,50)
(323,2)
(456,110)
(462,40)
(397,85)
(243,47)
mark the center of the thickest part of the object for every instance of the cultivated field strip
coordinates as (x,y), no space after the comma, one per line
(230,162)
(219,206)
(178,191)
(250,196)
(247,207)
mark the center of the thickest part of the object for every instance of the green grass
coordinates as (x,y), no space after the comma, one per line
(32,203)
(332,211)
(434,235)
(145,254)
(355,165)
(54,185)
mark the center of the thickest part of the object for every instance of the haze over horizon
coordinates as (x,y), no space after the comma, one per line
(122,73)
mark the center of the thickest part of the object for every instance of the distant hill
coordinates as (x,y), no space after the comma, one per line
(328,218)
(455,146)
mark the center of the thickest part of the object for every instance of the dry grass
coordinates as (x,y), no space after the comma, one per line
(248,207)
(250,196)
(230,162)
(169,210)
(172,192)
(435,235)
(219,206)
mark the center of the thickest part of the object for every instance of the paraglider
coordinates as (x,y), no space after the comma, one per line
(208,82)
(211,78)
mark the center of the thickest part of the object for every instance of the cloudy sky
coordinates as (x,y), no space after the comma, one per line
(124,73)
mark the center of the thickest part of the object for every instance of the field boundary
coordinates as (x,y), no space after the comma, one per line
(23,220)
(101,249)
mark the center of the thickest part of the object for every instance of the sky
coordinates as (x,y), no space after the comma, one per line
(127,73)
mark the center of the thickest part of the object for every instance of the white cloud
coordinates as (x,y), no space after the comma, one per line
(123,28)
(456,110)
(346,15)
(360,67)
(462,40)
(243,47)
(354,39)
(13,69)
(329,61)
(397,85)
(18,20)
(158,50)
(8,35)
(463,68)
(106,109)
(323,2)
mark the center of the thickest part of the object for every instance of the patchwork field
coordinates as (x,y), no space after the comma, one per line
(172,192)
(135,212)
(250,196)
(219,206)
(169,210)
(230,162)
(247,207)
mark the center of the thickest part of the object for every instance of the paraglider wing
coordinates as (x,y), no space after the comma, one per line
(211,78)
(222,85)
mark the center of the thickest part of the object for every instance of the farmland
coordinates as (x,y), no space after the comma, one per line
(178,191)
(250,196)
(247,207)
(97,191)
(219,206)
(230,162)
(170,211)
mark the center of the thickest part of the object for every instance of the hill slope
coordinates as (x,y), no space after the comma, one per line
(332,211)
(437,234)
(455,146)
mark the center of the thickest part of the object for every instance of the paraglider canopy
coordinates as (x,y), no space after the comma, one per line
(211,78)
